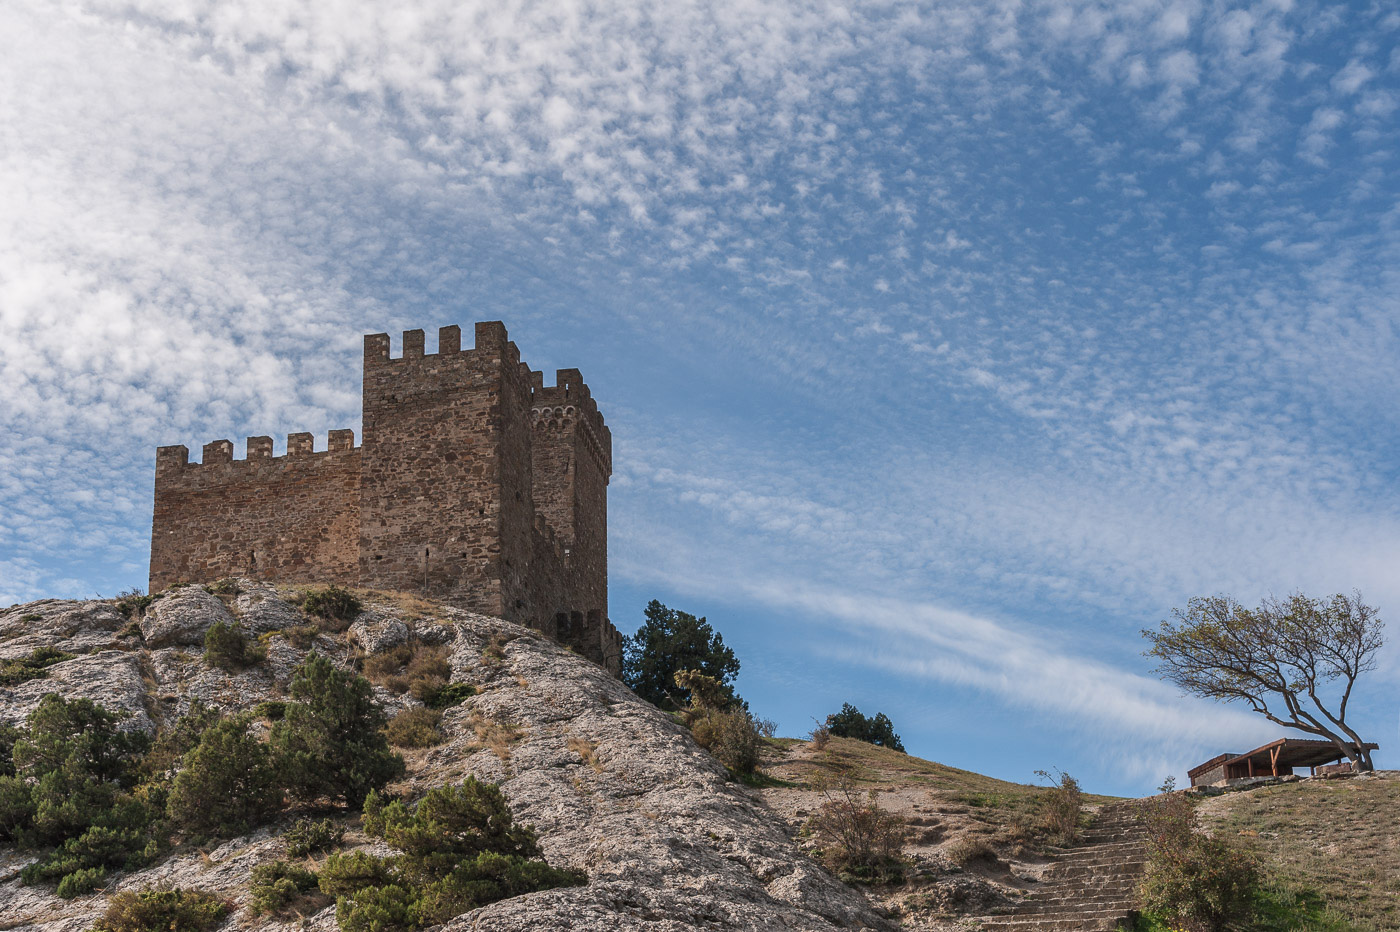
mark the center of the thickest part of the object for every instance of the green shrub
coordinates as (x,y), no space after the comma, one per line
(333,605)
(459,850)
(308,836)
(32,667)
(444,696)
(228,648)
(133,603)
(1198,883)
(415,728)
(121,838)
(83,880)
(274,710)
(8,736)
(857,840)
(331,741)
(162,911)
(172,744)
(277,885)
(349,873)
(389,908)
(228,784)
(878,730)
(226,586)
(16,807)
(70,795)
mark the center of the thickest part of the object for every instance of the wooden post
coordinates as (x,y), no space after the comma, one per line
(1251,765)
(1273,758)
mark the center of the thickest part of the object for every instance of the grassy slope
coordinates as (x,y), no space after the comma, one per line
(986,799)
(943,808)
(1337,838)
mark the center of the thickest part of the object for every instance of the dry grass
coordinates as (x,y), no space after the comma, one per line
(494,653)
(1340,838)
(587,750)
(494,734)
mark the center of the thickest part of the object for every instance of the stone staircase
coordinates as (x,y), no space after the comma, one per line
(1089,888)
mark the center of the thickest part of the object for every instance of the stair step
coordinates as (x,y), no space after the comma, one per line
(1091,887)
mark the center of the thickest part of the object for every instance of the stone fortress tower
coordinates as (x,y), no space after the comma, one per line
(474,483)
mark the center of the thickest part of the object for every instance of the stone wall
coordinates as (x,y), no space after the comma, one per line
(282,518)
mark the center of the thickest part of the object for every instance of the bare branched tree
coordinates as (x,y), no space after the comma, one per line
(1292,660)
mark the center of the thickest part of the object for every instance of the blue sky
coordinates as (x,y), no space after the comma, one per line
(944,345)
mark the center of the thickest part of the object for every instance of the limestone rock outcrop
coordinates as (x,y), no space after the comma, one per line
(182,617)
(612,785)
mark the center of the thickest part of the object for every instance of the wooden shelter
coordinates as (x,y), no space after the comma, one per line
(1277,758)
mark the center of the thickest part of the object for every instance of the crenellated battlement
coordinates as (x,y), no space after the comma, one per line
(491,342)
(473,483)
(569,405)
(258,451)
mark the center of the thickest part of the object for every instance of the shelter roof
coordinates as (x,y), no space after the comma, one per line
(1282,753)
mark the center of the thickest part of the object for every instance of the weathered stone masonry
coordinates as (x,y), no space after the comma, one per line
(474,483)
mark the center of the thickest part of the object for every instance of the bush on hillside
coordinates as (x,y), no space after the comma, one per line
(719,723)
(1198,883)
(415,728)
(70,796)
(172,744)
(969,849)
(386,667)
(34,666)
(335,607)
(228,783)
(731,737)
(856,839)
(227,648)
(278,885)
(877,730)
(133,603)
(162,911)
(308,836)
(331,743)
(460,850)
(442,696)
(1060,807)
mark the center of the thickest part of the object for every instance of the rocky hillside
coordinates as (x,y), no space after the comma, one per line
(613,786)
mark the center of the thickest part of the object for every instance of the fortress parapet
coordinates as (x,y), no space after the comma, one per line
(473,483)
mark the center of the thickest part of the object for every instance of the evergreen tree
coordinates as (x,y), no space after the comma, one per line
(878,730)
(668,642)
(331,741)
(228,783)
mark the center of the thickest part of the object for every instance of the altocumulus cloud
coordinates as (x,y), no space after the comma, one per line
(1053,313)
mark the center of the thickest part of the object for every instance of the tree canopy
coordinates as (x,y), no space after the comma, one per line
(668,642)
(850,723)
(1295,660)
